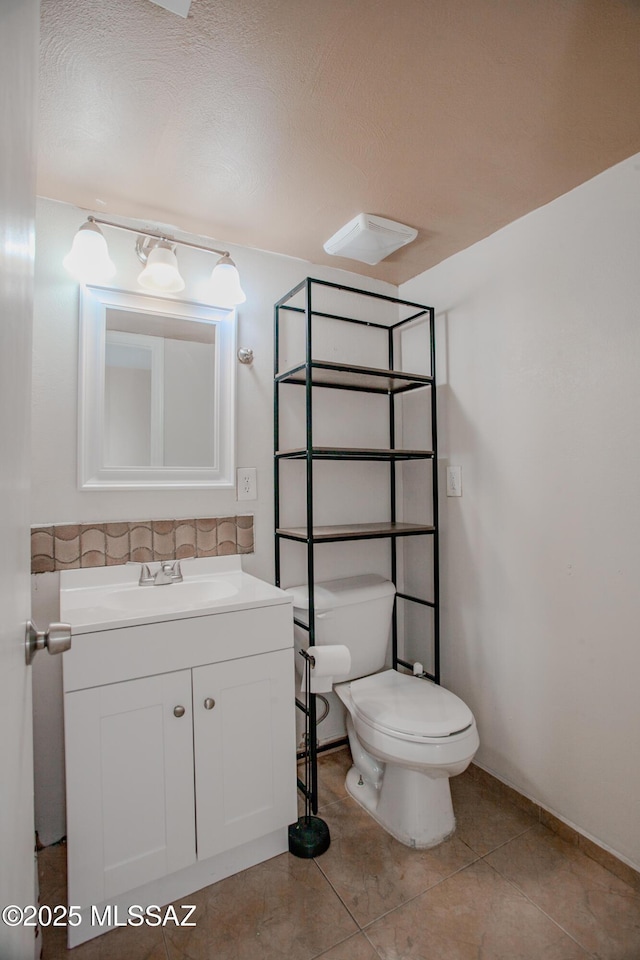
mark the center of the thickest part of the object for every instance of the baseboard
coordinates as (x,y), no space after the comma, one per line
(606,858)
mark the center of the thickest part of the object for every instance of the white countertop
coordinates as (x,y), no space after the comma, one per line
(105,598)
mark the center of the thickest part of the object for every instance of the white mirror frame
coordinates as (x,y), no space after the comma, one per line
(93,474)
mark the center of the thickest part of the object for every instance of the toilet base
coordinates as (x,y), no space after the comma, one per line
(412,807)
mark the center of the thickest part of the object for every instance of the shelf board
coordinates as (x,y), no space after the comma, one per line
(355,531)
(354,453)
(349,377)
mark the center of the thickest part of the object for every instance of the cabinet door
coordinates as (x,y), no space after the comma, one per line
(130,801)
(245,750)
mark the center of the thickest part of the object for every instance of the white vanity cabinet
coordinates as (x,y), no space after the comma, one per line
(130,797)
(180,754)
(243,760)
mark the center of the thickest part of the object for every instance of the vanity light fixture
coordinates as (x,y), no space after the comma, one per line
(88,262)
(225,282)
(161,271)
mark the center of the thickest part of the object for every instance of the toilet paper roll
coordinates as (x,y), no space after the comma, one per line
(332,662)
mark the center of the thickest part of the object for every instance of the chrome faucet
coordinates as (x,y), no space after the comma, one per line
(168,572)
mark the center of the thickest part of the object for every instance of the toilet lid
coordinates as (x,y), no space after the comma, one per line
(409,706)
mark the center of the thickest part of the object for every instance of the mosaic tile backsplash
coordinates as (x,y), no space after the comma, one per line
(69,546)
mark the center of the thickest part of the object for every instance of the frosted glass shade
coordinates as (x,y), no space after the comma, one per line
(161,271)
(88,261)
(224,288)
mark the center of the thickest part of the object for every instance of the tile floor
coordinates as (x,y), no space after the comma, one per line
(503,888)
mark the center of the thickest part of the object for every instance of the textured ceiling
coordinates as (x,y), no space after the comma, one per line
(271,123)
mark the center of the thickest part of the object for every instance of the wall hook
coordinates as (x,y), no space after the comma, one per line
(245,355)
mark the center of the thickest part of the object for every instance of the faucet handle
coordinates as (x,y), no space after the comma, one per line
(172,570)
(145,572)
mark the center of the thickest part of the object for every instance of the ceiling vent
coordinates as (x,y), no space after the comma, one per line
(369,239)
(181,7)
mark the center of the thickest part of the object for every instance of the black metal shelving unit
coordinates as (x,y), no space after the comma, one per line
(390,382)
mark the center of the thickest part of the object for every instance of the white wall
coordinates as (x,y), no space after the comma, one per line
(55,496)
(539,351)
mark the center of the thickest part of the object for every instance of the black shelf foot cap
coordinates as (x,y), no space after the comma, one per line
(308,837)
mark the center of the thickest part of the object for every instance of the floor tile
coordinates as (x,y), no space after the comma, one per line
(591,849)
(52,875)
(332,772)
(484,819)
(132,943)
(355,948)
(283,908)
(601,911)
(533,897)
(503,790)
(372,872)
(474,914)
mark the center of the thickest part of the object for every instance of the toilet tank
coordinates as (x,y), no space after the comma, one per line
(354,611)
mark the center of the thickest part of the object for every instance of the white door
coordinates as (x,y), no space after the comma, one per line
(18,65)
(130,806)
(245,757)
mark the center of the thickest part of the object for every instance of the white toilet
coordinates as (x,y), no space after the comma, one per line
(407,735)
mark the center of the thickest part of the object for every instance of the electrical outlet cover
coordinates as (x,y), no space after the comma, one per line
(246,483)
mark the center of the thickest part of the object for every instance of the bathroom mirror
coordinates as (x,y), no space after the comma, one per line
(156,392)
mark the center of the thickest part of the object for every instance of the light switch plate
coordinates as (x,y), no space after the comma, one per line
(454,481)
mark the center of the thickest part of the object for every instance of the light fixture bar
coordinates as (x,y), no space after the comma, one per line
(88,262)
(157,236)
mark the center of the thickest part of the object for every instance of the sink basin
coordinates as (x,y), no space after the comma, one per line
(170,597)
(103,598)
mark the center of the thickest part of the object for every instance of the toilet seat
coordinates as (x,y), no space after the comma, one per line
(409,708)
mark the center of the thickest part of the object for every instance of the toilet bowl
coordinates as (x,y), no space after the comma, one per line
(407,735)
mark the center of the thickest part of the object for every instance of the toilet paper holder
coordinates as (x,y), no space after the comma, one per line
(309,836)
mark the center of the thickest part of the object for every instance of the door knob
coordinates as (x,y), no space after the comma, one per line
(178,711)
(56,639)
(209,703)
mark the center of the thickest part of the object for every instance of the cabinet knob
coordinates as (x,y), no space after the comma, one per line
(209,703)
(178,711)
